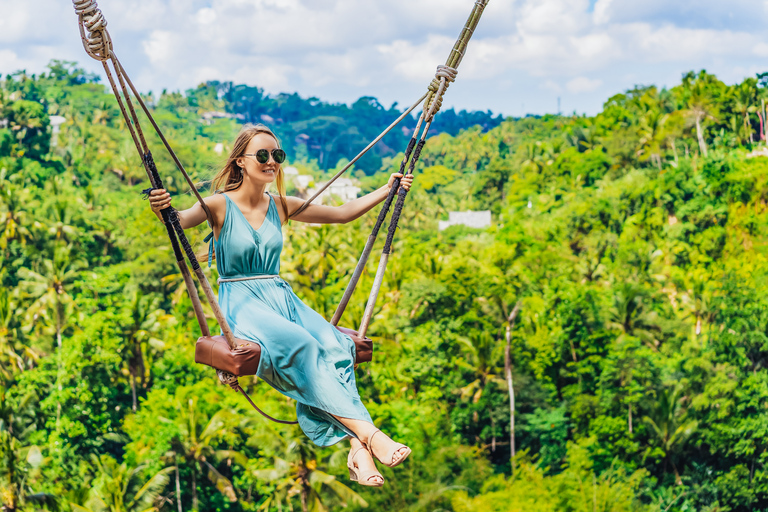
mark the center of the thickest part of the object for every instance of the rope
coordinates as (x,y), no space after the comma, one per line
(359,156)
(97,43)
(231,381)
(444,76)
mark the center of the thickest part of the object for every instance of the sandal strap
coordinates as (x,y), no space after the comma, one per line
(387,460)
(367,475)
(389,456)
(370,440)
(353,453)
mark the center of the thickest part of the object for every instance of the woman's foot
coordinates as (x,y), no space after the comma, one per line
(362,469)
(387,451)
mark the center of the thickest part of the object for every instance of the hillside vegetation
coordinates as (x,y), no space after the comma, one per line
(633,243)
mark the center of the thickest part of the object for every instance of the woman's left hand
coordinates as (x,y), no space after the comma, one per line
(405,181)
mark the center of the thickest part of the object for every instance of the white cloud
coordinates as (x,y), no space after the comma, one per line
(523,52)
(9,60)
(583,84)
(716,14)
(760,50)
(206,16)
(553,86)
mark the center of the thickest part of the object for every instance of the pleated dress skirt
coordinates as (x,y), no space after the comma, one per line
(302,355)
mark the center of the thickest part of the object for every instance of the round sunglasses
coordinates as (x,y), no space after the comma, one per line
(262,155)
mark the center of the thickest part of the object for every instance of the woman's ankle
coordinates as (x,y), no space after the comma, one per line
(364,434)
(355,443)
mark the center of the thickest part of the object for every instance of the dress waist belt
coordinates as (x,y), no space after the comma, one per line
(248,278)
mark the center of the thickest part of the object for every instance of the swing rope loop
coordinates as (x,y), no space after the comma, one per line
(97,42)
(444,76)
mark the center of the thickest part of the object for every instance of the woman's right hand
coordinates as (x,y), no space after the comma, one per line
(159,199)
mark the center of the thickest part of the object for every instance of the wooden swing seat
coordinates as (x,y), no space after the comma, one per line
(244,359)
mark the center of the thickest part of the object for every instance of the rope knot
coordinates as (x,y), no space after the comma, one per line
(443,78)
(97,42)
(228,379)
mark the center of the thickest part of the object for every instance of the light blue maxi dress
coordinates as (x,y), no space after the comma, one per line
(302,355)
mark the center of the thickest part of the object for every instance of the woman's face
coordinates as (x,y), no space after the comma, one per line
(258,172)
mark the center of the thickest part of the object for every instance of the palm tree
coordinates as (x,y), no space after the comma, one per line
(48,291)
(61,228)
(533,157)
(652,135)
(482,358)
(630,316)
(670,424)
(13,225)
(121,488)
(18,460)
(296,472)
(320,260)
(745,103)
(12,361)
(147,321)
(698,92)
(196,445)
(584,138)
(508,375)
(699,299)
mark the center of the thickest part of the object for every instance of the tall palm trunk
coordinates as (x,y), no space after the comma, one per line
(510,387)
(747,127)
(305,487)
(59,362)
(700,136)
(178,484)
(9,498)
(195,505)
(136,369)
(674,150)
(134,405)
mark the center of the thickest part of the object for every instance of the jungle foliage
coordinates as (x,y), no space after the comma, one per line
(633,242)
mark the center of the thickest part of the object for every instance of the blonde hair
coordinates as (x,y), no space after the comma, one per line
(230,177)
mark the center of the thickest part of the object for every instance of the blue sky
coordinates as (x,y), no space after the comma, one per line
(525,53)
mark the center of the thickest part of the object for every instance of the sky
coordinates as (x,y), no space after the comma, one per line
(524,56)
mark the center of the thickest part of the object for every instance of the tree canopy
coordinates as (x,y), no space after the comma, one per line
(633,242)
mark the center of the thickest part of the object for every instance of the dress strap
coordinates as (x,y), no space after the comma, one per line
(209,240)
(209,237)
(273,208)
(271,204)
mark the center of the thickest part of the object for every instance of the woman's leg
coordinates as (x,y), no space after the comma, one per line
(381,443)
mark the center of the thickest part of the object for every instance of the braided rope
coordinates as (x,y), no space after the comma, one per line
(97,42)
(444,76)
(447,73)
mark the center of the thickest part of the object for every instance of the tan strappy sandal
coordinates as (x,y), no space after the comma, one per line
(358,475)
(387,459)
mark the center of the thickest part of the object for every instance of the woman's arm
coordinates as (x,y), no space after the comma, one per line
(322,214)
(160,199)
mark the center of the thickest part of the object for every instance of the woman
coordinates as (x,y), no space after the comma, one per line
(303,356)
